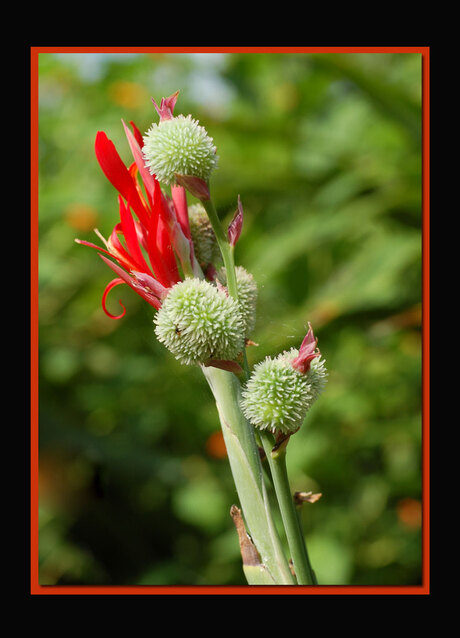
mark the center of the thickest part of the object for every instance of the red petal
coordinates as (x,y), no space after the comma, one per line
(112,284)
(180,204)
(118,251)
(88,243)
(137,134)
(130,235)
(118,175)
(147,178)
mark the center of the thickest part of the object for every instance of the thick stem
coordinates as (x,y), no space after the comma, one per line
(246,467)
(277,461)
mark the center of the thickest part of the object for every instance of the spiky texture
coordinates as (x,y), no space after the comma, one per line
(277,397)
(247,295)
(179,145)
(204,239)
(198,322)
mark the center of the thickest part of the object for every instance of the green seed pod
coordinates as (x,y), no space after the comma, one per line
(204,239)
(198,322)
(247,295)
(277,396)
(179,145)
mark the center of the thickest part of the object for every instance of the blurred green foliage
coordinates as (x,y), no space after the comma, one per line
(325,152)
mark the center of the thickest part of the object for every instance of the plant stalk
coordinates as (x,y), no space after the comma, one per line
(277,461)
(246,467)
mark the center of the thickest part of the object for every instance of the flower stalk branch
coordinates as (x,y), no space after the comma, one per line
(224,245)
(276,456)
(246,467)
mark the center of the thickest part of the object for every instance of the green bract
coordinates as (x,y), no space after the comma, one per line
(278,397)
(198,322)
(179,145)
(247,295)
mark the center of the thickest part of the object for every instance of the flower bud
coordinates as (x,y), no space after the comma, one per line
(247,295)
(277,396)
(179,145)
(198,322)
(204,239)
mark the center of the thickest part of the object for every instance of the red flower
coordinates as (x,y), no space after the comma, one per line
(146,258)
(307,352)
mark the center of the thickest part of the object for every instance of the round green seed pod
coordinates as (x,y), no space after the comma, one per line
(277,397)
(204,239)
(198,322)
(179,145)
(247,295)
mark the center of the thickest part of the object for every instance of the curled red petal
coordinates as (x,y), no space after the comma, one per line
(112,284)
(148,296)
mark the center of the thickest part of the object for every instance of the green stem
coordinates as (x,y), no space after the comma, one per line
(246,467)
(294,534)
(224,245)
(228,258)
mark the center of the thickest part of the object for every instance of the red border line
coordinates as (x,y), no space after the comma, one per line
(201,590)
(34,320)
(426,315)
(236,49)
(36,588)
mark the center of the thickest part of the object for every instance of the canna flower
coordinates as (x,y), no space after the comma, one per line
(160,228)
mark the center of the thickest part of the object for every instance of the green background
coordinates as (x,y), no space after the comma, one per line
(325,152)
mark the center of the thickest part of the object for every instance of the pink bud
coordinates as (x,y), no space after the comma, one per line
(307,352)
(235,226)
(166,108)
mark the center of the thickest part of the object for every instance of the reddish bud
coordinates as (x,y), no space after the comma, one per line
(307,352)
(195,186)
(235,226)
(166,108)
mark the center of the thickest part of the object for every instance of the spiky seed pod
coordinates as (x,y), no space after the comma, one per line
(179,145)
(277,397)
(247,295)
(198,322)
(204,239)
